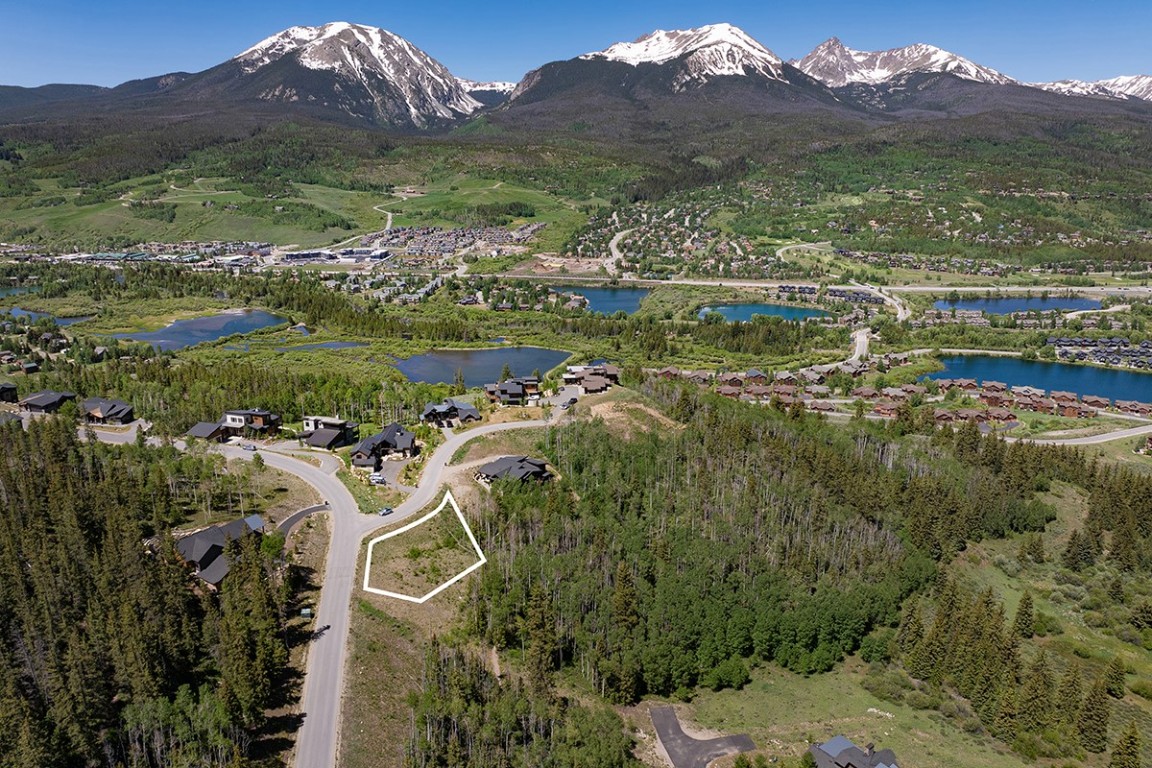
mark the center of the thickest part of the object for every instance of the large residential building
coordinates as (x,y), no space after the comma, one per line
(328,432)
(515,467)
(101,410)
(206,550)
(46,402)
(443,414)
(523,390)
(393,440)
(839,752)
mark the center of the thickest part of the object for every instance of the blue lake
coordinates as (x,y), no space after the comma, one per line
(34,316)
(197,330)
(479,366)
(1081,379)
(323,345)
(16,290)
(745,312)
(1006,305)
(607,300)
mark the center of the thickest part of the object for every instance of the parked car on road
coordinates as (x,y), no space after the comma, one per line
(386,511)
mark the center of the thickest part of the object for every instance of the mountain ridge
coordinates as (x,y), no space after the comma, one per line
(346,71)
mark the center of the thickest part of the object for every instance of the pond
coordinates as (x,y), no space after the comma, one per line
(479,366)
(34,316)
(197,330)
(13,290)
(745,312)
(1081,379)
(1006,305)
(607,300)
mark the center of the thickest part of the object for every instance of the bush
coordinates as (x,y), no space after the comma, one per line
(1045,625)
(732,673)
(1009,565)
(892,685)
(921,700)
(1142,688)
(877,647)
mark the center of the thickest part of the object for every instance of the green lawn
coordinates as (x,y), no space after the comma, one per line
(784,712)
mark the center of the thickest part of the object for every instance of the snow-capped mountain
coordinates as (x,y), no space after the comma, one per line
(367,68)
(837,65)
(707,52)
(499,86)
(1125,87)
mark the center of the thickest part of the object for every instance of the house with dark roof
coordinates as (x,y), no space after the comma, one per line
(443,414)
(7,418)
(100,410)
(393,440)
(521,390)
(8,392)
(514,467)
(328,432)
(206,550)
(839,752)
(207,430)
(592,378)
(46,402)
(250,421)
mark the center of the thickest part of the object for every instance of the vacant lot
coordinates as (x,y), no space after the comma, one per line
(419,560)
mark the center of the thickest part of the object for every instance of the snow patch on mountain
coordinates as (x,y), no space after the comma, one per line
(499,86)
(836,65)
(1121,88)
(367,55)
(710,51)
(1135,86)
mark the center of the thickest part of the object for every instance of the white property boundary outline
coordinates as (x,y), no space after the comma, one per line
(448,499)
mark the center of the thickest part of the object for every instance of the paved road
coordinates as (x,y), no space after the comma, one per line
(380,209)
(1107,437)
(1134,290)
(1082,312)
(861,337)
(686,752)
(287,524)
(613,264)
(317,743)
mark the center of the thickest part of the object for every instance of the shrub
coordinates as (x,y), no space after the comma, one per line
(1045,625)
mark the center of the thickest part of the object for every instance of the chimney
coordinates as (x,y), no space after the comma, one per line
(869,749)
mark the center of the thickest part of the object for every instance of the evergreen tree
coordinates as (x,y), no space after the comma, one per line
(1114,677)
(1069,695)
(1035,701)
(967,448)
(540,642)
(1116,590)
(1024,625)
(1125,551)
(1126,753)
(1094,716)
(911,630)
(1005,727)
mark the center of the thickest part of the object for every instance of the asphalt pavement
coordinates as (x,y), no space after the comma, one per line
(686,752)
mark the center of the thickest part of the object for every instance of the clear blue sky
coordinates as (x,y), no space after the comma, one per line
(110,41)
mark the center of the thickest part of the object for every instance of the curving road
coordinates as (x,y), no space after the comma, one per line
(317,743)
(1107,437)
(613,264)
